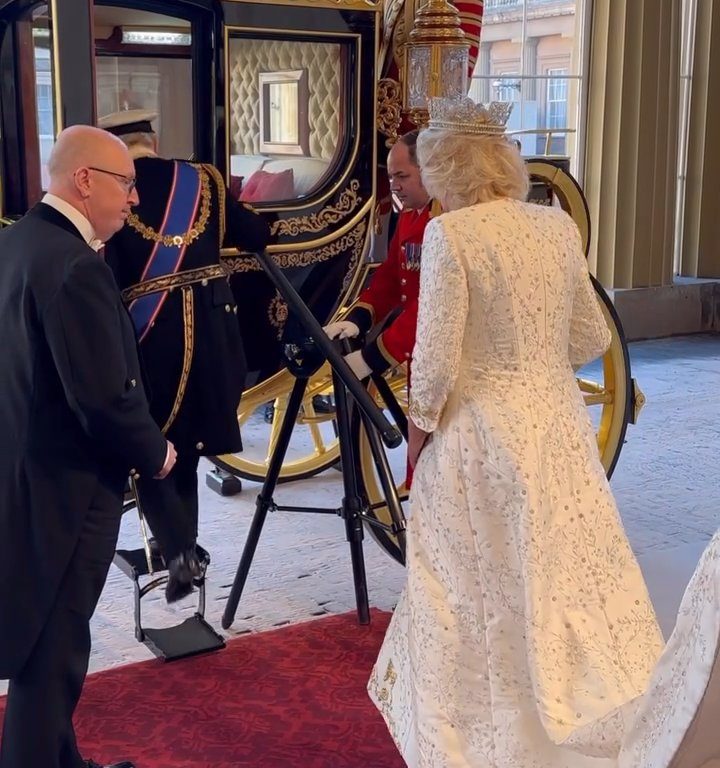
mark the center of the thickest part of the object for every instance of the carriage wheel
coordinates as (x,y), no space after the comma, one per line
(398,460)
(314,444)
(614,392)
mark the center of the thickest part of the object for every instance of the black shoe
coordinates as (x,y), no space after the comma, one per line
(269,413)
(182,571)
(323,404)
(123,764)
(203,557)
(156,555)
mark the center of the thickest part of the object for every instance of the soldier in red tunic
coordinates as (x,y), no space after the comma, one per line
(396,283)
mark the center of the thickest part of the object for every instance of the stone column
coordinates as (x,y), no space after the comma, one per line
(530,67)
(483,68)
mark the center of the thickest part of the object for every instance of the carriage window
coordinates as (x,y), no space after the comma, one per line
(162,85)
(284,99)
(42,102)
(144,62)
(44,91)
(287,116)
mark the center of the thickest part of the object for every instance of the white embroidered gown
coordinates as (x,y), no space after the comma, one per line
(525,632)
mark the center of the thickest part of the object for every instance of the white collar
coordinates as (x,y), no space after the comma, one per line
(83,226)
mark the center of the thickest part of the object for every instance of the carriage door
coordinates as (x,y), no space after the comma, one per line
(31,103)
(156,59)
(299,81)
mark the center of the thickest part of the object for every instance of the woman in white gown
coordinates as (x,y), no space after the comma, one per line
(525,633)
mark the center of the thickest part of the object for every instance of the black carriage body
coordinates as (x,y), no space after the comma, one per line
(320,238)
(321,232)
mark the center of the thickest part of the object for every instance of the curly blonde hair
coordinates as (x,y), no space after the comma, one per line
(461,170)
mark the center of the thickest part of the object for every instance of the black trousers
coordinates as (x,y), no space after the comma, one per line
(38,730)
(170,506)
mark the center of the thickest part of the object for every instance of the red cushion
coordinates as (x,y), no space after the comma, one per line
(264,186)
(236,183)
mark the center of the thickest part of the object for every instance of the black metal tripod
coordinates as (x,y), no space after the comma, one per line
(303,361)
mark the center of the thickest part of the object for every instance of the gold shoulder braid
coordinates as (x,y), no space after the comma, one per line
(148,233)
(220,182)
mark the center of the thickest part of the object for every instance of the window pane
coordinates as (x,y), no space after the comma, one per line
(287,115)
(689,24)
(555,25)
(44,90)
(163,85)
(506,87)
(532,54)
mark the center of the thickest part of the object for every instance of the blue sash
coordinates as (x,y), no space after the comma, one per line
(165,259)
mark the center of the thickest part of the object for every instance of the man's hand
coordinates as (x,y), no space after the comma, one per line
(342,329)
(358,365)
(417,440)
(170,459)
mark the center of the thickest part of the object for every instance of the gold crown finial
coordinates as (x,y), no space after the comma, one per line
(465,116)
(437,21)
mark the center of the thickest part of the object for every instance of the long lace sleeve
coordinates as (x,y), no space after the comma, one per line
(442,314)
(589,334)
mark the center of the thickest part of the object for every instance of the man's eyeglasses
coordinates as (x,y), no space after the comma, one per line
(128,183)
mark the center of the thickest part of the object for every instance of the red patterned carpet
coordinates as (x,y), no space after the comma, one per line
(291,698)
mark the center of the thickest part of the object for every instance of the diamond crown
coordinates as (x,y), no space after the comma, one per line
(465,116)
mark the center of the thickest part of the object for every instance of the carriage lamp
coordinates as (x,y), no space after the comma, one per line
(435,59)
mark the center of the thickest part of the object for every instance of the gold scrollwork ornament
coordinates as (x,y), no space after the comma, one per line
(352,240)
(348,201)
(389,109)
(278,314)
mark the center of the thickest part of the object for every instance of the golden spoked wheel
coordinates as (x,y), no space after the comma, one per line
(608,388)
(314,444)
(398,463)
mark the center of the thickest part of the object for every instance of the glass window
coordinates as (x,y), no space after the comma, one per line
(163,85)
(287,115)
(45,111)
(143,61)
(506,87)
(556,102)
(44,88)
(532,52)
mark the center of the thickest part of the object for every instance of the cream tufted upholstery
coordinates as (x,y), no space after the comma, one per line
(250,57)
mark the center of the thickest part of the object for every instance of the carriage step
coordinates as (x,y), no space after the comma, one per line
(133,563)
(192,637)
(189,638)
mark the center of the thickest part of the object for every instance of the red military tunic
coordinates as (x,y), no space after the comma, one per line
(396,283)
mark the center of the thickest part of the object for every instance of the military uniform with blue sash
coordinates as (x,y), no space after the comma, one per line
(166,263)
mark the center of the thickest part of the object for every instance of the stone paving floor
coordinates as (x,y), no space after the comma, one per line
(666,483)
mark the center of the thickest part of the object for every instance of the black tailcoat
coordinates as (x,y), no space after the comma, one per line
(73,413)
